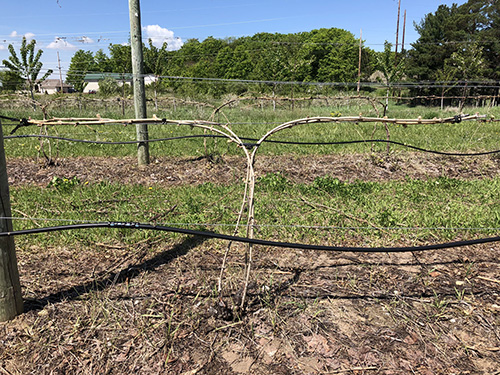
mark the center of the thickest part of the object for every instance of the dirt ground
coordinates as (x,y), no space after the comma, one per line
(153,308)
(227,169)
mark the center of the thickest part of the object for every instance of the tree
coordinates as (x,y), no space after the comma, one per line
(445,76)
(449,30)
(82,63)
(391,69)
(28,66)
(121,58)
(155,63)
(489,34)
(466,64)
(121,61)
(10,81)
(102,62)
(108,87)
(437,32)
(333,54)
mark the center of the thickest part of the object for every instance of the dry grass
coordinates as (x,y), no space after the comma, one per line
(153,309)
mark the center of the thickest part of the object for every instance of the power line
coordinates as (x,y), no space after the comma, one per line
(395,85)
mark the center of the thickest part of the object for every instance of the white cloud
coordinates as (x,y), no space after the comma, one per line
(2,47)
(61,44)
(15,34)
(85,40)
(160,35)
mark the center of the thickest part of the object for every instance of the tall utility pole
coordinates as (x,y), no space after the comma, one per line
(404,31)
(60,73)
(11,302)
(397,34)
(138,80)
(359,60)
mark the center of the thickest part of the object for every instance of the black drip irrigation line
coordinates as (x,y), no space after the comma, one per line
(391,142)
(20,122)
(292,245)
(11,118)
(251,145)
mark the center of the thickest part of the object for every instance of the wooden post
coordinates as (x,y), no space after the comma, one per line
(404,32)
(138,80)
(397,35)
(11,302)
(60,73)
(359,60)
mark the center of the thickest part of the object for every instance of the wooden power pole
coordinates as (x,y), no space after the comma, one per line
(11,302)
(397,34)
(60,73)
(138,80)
(359,60)
(404,31)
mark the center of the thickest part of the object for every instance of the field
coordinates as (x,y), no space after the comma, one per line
(120,301)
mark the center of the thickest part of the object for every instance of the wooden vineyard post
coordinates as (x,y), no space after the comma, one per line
(138,80)
(11,302)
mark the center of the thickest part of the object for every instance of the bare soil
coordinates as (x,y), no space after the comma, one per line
(152,308)
(227,169)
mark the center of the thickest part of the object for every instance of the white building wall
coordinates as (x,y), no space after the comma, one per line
(91,86)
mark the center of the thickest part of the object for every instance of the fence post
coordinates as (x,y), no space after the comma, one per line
(138,80)
(11,302)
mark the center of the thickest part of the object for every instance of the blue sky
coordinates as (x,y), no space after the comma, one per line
(65,26)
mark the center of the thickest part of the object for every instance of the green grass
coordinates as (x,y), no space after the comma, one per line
(426,204)
(253,123)
(280,205)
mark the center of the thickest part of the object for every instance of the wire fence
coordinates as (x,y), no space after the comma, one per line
(120,104)
(249,147)
(248,144)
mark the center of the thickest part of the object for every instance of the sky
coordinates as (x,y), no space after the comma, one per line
(64,26)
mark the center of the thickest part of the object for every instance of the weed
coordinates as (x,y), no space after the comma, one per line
(274,181)
(459,293)
(386,218)
(440,305)
(327,183)
(64,184)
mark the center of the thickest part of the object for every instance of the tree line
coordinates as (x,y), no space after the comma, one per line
(324,55)
(458,50)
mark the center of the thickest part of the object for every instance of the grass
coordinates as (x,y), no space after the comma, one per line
(253,123)
(327,202)
(129,301)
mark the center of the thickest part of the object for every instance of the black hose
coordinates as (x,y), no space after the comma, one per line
(292,245)
(250,145)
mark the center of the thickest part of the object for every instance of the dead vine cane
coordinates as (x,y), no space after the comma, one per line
(248,197)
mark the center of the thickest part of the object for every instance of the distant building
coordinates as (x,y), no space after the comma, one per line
(53,86)
(93,79)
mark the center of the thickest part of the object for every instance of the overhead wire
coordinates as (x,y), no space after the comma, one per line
(418,84)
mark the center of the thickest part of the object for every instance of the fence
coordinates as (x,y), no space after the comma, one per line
(249,147)
(122,104)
